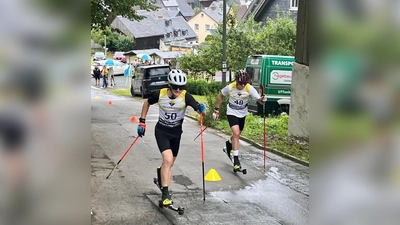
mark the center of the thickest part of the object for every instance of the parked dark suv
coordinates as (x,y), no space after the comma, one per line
(147,79)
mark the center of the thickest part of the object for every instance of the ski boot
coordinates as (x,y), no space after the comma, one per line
(166,199)
(237,167)
(228,149)
(159,176)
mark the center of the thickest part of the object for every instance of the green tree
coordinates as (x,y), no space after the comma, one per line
(103,12)
(97,35)
(277,37)
(280,36)
(124,43)
(196,10)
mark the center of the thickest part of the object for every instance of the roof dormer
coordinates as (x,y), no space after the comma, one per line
(168,22)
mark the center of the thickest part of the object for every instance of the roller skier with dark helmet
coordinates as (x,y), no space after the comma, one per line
(239,93)
(172,103)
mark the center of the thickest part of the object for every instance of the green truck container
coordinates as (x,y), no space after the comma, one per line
(273,73)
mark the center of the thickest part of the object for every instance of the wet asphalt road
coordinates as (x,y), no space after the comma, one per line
(280,195)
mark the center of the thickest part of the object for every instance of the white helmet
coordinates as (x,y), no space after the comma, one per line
(177,77)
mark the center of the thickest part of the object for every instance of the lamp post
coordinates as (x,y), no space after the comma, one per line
(105,46)
(224,43)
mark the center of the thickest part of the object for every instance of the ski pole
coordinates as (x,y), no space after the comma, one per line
(265,143)
(202,155)
(126,152)
(265,138)
(200,133)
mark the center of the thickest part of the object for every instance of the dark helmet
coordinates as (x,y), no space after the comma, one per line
(242,76)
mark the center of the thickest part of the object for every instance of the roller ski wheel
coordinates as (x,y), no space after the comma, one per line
(179,210)
(244,171)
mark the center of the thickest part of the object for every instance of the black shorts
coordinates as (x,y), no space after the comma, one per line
(167,140)
(12,134)
(233,120)
(97,77)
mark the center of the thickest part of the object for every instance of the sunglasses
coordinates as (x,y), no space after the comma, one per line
(176,87)
(242,83)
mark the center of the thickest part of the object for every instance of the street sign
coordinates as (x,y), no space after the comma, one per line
(223,66)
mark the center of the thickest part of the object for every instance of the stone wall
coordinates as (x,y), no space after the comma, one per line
(299,103)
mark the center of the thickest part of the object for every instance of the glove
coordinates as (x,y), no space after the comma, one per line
(215,114)
(141,129)
(263,98)
(202,108)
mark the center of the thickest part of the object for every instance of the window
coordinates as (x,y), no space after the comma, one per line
(196,27)
(177,33)
(207,27)
(202,15)
(184,32)
(254,73)
(168,23)
(158,71)
(294,4)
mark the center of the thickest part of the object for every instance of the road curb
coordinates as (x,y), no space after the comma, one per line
(275,151)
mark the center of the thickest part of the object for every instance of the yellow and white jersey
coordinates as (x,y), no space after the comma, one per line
(172,111)
(239,99)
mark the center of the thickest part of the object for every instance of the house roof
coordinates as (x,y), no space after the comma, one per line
(168,55)
(154,24)
(173,13)
(181,44)
(215,14)
(177,24)
(140,29)
(159,4)
(242,10)
(176,5)
(146,51)
(170,3)
(185,8)
(255,7)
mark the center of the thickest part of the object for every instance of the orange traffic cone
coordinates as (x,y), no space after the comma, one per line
(134,119)
(110,103)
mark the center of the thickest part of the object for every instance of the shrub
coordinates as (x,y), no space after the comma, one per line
(211,98)
(202,87)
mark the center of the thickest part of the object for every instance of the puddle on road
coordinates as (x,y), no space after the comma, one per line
(278,200)
(182,180)
(291,177)
(273,172)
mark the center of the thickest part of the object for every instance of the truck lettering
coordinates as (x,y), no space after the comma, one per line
(281,63)
(277,76)
(284,92)
(281,77)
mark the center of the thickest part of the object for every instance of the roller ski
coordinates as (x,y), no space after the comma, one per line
(166,201)
(236,166)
